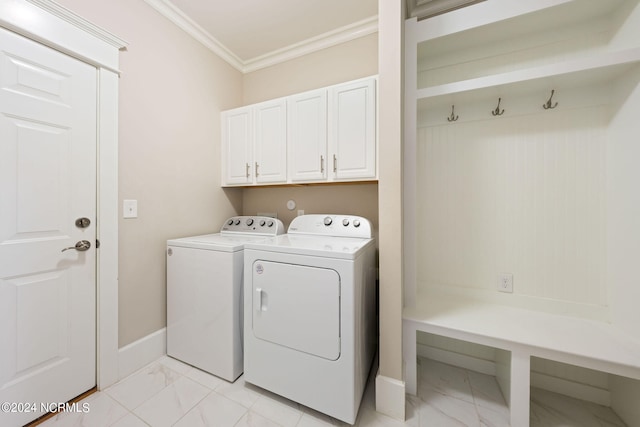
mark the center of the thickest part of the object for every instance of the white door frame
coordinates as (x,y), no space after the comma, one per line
(52,25)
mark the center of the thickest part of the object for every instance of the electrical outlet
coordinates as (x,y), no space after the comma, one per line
(505,282)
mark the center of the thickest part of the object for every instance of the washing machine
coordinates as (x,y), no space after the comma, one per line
(204,294)
(309,316)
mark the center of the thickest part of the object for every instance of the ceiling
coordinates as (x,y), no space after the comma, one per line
(252,34)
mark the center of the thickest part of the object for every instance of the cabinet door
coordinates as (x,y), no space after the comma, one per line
(237,146)
(270,142)
(307,136)
(352,130)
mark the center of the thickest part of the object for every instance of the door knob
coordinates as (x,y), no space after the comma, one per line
(82,245)
(83,222)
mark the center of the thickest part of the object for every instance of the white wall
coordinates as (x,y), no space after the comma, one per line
(516,194)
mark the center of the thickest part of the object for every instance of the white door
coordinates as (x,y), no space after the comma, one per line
(237,147)
(270,141)
(352,129)
(307,137)
(297,306)
(47,181)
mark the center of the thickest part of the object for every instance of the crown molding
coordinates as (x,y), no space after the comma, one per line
(323,41)
(178,17)
(331,38)
(77,21)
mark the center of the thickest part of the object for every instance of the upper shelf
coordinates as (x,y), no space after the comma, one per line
(511,48)
(579,72)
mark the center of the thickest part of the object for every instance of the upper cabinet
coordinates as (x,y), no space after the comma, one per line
(352,130)
(237,146)
(307,136)
(324,135)
(254,144)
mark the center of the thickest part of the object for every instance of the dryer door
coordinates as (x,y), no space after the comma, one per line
(298,307)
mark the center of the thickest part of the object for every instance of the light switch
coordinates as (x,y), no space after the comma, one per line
(130,209)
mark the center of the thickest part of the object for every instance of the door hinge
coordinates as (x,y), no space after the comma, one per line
(97,244)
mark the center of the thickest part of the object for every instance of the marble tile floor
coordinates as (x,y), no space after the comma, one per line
(171,393)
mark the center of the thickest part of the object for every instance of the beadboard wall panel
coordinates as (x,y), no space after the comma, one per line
(524,196)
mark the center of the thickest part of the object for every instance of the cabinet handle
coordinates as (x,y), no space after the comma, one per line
(247,170)
(335,163)
(321,164)
(257,170)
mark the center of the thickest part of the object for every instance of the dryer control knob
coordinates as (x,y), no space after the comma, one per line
(237,222)
(327,221)
(270,223)
(249,222)
(262,222)
(230,222)
(356,223)
(345,222)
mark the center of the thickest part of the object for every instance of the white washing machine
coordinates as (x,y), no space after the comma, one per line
(309,317)
(204,294)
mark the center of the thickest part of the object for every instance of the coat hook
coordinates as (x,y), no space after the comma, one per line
(548,105)
(453,117)
(497,111)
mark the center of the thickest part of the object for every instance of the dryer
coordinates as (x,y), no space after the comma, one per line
(204,294)
(310,329)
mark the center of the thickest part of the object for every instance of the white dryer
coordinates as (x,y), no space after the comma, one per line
(309,325)
(204,294)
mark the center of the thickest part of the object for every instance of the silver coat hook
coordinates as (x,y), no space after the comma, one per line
(548,105)
(497,111)
(452,117)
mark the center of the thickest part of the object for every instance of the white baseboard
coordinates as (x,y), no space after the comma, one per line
(538,380)
(457,359)
(141,352)
(390,397)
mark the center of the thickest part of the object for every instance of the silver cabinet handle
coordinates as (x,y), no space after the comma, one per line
(321,164)
(247,170)
(81,246)
(335,163)
(257,170)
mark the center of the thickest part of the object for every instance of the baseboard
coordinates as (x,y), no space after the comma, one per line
(141,352)
(390,397)
(457,359)
(538,380)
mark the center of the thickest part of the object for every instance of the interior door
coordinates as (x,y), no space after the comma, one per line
(47,182)
(298,307)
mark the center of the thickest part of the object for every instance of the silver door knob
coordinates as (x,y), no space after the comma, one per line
(82,245)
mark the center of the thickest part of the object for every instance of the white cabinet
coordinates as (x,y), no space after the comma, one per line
(254,144)
(270,142)
(307,136)
(237,146)
(352,130)
(324,135)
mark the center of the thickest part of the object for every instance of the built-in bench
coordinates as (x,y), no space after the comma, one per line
(523,334)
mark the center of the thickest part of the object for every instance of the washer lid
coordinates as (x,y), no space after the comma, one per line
(216,242)
(320,246)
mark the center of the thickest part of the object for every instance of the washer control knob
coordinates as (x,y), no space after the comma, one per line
(230,222)
(237,222)
(345,222)
(262,222)
(250,221)
(356,223)
(270,223)
(327,221)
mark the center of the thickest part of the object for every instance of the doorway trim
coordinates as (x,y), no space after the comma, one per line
(54,26)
